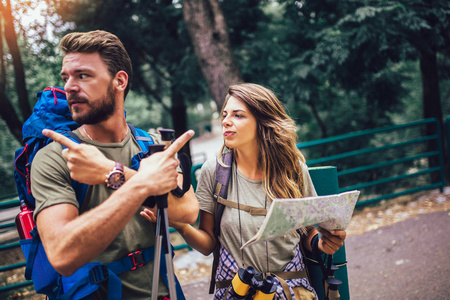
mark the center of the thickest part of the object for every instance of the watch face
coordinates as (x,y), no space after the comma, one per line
(116,180)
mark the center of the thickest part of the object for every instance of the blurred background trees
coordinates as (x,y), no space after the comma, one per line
(339,66)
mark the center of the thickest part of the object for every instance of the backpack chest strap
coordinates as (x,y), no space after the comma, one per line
(132,261)
(87,279)
(253,210)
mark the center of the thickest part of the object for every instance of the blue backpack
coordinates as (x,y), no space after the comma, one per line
(51,111)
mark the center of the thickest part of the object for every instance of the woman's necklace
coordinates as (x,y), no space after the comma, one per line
(84,129)
(239,211)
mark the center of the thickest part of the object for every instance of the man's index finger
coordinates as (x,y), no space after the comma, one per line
(59,138)
(179,142)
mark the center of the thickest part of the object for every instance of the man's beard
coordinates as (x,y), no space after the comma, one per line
(100,109)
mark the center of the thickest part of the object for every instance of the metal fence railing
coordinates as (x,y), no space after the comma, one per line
(412,152)
(8,225)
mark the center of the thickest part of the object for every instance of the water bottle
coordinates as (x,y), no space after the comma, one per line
(24,221)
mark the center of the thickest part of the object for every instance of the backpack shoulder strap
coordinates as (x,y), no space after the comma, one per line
(71,135)
(144,140)
(142,137)
(222,179)
(79,188)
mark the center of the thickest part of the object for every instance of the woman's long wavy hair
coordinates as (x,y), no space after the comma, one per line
(278,156)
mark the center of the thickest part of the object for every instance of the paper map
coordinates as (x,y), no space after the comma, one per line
(331,212)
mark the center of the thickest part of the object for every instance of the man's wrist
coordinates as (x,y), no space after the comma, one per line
(108,168)
(105,169)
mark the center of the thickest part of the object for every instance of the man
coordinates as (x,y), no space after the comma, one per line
(97,72)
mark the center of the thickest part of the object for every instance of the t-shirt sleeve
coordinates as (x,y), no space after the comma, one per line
(50,179)
(310,190)
(205,187)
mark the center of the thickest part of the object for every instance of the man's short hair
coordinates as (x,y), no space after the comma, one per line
(110,48)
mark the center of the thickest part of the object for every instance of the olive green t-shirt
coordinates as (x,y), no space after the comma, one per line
(238,226)
(51,185)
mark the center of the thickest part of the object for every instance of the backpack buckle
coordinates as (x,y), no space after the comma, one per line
(98,274)
(137,259)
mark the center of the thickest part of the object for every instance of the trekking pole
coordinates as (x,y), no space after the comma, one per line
(162,237)
(331,284)
(162,234)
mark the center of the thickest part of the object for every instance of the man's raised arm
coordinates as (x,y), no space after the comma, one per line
(72,240)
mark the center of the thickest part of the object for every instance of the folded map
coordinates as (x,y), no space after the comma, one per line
(331,212)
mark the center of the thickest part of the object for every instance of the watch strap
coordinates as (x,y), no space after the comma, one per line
(118,167)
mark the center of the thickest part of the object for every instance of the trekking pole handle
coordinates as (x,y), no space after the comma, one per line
(167,136)
(160,199)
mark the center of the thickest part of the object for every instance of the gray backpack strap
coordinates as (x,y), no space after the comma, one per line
(223,175)
(222,179)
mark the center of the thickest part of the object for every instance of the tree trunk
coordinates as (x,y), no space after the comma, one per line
(2,57)
(209,36)
(7,112)
(11,40)
(9,115)
(430,81)
(320,122)
(179,117)
(431,101)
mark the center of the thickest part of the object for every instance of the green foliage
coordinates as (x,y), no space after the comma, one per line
(338,66)
(200,117)
(140,114)
(7,146)
(166,72)
(343,66)
(153,34)
(41,66)
(340,58)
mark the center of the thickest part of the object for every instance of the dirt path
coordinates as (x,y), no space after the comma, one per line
(389,212)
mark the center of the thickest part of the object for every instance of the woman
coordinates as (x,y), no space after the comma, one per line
(266,165)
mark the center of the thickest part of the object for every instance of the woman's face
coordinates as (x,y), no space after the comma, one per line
(238,125)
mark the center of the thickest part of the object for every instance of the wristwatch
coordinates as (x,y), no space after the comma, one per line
(115,179)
